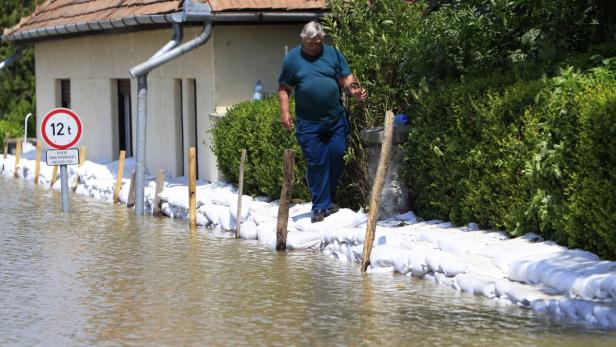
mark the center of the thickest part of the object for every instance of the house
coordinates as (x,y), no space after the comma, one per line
(85,49)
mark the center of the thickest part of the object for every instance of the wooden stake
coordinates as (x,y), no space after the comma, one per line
(37,165)
(285,199)
(17,156)
(82,155)
(239,194)
(54,175)
(131,191)
(377,188)
(160,182)
(118,185)
(192,186)
(6,145)
(82,159)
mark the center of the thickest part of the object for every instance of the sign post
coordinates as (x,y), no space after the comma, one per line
(61,130)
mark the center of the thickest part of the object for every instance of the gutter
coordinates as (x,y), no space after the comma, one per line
(157,20)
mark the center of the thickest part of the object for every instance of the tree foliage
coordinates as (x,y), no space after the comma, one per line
(17,82)
(511,108)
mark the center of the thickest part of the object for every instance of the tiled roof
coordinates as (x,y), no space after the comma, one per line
(288,5)
(62,12)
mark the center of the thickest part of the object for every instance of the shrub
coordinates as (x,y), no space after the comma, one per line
(467,150)
(572,170)
(255,126)
(521,155)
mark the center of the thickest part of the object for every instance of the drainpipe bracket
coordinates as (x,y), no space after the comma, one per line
(193,12)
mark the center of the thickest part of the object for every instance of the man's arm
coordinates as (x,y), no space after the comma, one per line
(351,87)
(283,100)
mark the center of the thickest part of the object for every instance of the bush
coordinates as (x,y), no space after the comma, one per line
(256,127)
(536,155)
(467,149)
(572,172)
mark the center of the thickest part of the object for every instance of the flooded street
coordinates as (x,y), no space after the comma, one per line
(100,276)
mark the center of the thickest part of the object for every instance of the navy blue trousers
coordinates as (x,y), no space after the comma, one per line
(323,145)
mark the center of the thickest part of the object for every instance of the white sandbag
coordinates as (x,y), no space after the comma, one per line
(303,240)
(246,201)
(444,281)
(517,293)
(417,260)
(266,234)
(391,256)
(248,230)
(476,284)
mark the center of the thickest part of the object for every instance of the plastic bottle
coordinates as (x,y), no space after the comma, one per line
(401,118)
(258,89)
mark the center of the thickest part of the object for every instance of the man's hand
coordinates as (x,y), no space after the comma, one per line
(359,93)
(352,88)
(283,99)
(286,120)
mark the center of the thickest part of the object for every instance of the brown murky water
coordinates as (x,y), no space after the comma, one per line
(100,276)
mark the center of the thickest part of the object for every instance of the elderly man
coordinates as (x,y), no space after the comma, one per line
(317,73)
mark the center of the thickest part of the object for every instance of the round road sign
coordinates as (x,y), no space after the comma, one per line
(61,128)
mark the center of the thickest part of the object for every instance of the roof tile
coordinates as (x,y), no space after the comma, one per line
(61,12)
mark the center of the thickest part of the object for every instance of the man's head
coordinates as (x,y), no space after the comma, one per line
(312,38)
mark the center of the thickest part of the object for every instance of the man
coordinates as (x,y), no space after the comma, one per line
(317,73)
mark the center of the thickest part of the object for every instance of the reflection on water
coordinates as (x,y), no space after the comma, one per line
(100,276)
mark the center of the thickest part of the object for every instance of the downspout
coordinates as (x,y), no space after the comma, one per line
(192,12)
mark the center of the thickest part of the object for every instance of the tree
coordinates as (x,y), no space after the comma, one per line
(17,96)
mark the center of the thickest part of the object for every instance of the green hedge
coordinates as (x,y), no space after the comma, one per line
(572,172)
(520,155)
(256,127)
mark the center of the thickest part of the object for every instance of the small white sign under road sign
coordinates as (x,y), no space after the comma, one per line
(62,156)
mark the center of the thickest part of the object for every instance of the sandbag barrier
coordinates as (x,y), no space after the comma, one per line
(525,271)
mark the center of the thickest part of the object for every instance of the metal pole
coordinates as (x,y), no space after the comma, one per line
(64,183)
(142,101)
(26,127)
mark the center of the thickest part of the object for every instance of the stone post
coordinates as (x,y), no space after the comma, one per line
(395,196)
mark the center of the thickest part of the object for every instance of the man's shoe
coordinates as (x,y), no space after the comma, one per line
(317,216)
(333,208)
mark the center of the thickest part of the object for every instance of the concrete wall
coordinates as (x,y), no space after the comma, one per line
(182,95)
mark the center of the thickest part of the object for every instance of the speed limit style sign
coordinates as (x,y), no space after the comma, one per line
(61,128)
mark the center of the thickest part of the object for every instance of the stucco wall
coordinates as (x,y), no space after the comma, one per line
(181,93)
(245,54)
(93,63)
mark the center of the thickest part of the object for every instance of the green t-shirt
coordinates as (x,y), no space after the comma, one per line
(315,81)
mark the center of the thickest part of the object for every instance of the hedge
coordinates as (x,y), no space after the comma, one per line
(255,126)
(521,155)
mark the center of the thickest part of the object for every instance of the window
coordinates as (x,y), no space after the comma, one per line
(63,93)
(124,117)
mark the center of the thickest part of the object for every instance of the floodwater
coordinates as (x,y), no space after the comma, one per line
(100,276)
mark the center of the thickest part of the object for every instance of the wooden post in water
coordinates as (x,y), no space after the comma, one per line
(131,191)
(82,159)
(17,156)
(240,191)
(192,186)
(285,199)
(377,188)
(160,182)
(82,155)
(6,145)
(37,165)
(120,175)
(54,175)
